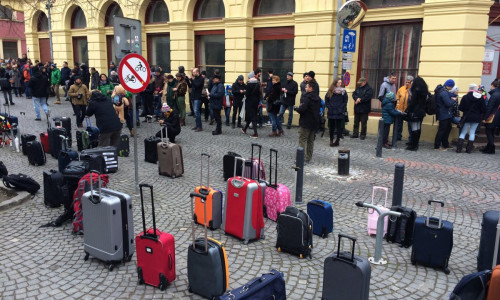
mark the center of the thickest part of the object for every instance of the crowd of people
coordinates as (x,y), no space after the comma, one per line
(165,98)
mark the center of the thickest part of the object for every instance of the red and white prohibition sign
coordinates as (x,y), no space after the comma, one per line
(134,73)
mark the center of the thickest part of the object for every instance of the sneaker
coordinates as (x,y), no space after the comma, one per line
(387,146)
(354,136)
(57,102)
(198,129)
(38,119)
(255,135)
(243,130)
(216,132)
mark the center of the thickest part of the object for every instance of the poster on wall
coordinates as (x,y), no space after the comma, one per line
(487,66)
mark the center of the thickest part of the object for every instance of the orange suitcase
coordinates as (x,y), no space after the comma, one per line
(494,286)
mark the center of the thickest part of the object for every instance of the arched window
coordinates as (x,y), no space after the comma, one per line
(78,19)
(209,9)
(42,23)
(113,10)
(5,12)
(274,7)
(157,12)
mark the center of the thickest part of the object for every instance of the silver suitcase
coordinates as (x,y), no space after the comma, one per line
(108,226)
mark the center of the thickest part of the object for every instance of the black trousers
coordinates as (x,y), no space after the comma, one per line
(490,135)
(253,120)
(80,114)
(236,112)
(387,128)
(363,118)
(206,109)
(218,120)
(335,125)
(443,133)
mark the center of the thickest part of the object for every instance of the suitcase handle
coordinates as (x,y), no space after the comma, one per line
(353,239)
(208,170)
(440,220)
(203,200)
(164,144)
(65,142)
(374,189)
(146,235)
(92,186)
(236,159)
(317,203)
(251,160)
(271,151)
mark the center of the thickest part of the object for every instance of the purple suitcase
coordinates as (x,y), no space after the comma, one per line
(277,196)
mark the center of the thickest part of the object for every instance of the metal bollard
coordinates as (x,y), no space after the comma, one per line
(380,137)
(344,162)
(299,174)
(395,127)
(397,190)
(378,260)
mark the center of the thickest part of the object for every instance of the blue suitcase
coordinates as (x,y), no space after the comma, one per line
(321,213)
(269,286)
(432,240)
(487,241)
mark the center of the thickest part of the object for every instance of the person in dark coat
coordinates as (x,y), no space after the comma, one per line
(273,99)
(147,98)
(308,110)
(94,78)
(65,75)
(170,120)
(290,89)
(416,111)
(362,106)
(493,108)
(196,83)
(6,86)
(253,95)
(472,107)
(107,120)
(444,116)
(216,97)
(336,101)
(39,87)
(85,74)
(238,89)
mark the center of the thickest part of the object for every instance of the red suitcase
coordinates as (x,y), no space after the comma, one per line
(155,252)
(44,139)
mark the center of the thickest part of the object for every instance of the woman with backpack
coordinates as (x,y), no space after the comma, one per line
(415,111)
(472,107)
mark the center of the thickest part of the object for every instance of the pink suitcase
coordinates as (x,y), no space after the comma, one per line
(253,168)
(277,196)
(373,214)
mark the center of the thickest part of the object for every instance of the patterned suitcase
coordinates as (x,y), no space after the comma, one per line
(373,214)
(321,214)
(110,157)
(277,196)
(213,203)
(155,251)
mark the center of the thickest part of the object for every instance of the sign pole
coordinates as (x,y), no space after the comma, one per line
(136,155)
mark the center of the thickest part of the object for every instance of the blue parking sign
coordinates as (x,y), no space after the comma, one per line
(349,41)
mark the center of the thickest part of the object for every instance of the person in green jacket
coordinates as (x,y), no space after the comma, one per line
(105,86)
(55,81)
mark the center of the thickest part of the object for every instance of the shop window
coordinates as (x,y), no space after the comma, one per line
(159,51)
(5,12)
(78,19)
(387,3)
(211,52)
(10,50)
(274,7)
(209,9)
(274,50)
(80,50)
(157,12)
(42,23)
(113,11)
(389,48)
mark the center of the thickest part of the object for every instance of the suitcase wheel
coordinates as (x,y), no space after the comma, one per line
(86,256)
(279,249)
(446,271)
(111,267)
(163,282)
(301,256)
(139,274)
(211,225)
(190,289)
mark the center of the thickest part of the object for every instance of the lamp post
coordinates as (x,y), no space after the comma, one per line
(49,6)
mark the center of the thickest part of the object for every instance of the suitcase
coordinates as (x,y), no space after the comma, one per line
(269,286)
(109,226)
(228,165)
(294,232)
(93,132)
(487,241)
(72,174)
(277,196)
(25,138)
(55,142)
(52,184)
(321,214)
(472,286)
(213,201)
(400,230)
(96,161)
(155,251)
(83,186)
(123,146)
(151,144)
(243,214)
(66,155)
(346,275)
(44,140)
(65,123)
(256,167)
(207,266)
(82,140)
(109,154)
(373,214)
(494,288)
(432,240)
(36,155)
(170,160)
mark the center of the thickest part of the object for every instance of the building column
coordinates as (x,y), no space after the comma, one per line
(239,38)
(96,43)
(62,47)
(181,45)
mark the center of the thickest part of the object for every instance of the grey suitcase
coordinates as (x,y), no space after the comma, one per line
(346,276)
(170,161)
(108,225)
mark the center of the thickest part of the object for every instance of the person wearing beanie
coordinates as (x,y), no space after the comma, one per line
(107,120)
(253,95)
(472,107)
(402,97)
(389,111)
(238,89)
(309,108)
(216,98)
(112,67)
(309,78)
(170,121)
(290,89)
(79,94)
(444,104)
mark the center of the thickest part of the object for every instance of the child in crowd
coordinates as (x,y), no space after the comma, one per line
(389,111)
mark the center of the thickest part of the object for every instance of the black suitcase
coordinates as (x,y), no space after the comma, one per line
(55,142)
(294,232)
(151,144)
(52,188)
(228,165)
(36,155)
(487,241)
(400,230)
(66,155)
(96,161)
(110,157)
(25,138)
(73,172)
(123,146)
(65,123)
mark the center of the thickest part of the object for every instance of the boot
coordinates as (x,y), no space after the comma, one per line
(412,146)
(331,142)
(57,102)
(460,145)
(183,121)
(273,134)
(336,143)
(132,132)
(281,132)
(470,146)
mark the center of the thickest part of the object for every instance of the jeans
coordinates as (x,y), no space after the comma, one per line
(472,132)
(306,141)
(157,105)
(335,124)
(218,127)
(274,120)
(37,102)
(80,114)
(197,113)
(283,108)
(27,90)
(443,133)
(227,112)
(9,94)
(363,118)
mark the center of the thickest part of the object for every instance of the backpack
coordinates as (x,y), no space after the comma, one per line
(82,188)
(117,100)
(21,182)
(3,170)
(430,103)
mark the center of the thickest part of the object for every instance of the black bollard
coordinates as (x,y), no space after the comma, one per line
(380,137)
(395,127)
(299,175)
(397,190)
(344,162)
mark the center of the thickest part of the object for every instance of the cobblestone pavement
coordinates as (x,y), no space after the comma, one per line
(47,263)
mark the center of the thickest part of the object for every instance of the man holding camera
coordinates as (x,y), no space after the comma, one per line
(79,94)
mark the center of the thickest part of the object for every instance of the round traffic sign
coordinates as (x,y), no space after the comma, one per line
(134,73)
(347,78)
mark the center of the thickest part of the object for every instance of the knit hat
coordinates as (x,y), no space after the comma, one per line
(204,73)
(54,65)
(165,107)
(289,73)
(240,77)
(251,75)
(390,96)
(181,69)
(311,74)
(454,89)
(473,87)
(449,83)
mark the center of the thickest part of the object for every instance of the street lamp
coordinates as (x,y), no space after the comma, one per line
(49,5)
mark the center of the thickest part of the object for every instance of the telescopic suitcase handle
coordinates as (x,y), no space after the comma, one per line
(251,161)
(146,235)
(353,239)
(441,203)
(203,200)
(92,186)
(208,172)
(271,151)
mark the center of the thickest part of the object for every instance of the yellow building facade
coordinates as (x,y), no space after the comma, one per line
(436,39)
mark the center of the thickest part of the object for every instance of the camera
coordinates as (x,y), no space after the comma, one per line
(79,96)
(295,108)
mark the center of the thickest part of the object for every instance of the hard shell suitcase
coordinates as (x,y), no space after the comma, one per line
(151,144)
(294,232)
(207,266)
(228,165)
(346,276)
(55,142)
(243,208)
(254,169)
(44,140)
(432,240)
(36,155)
(494,286)
(64,122)
(213,202)
(25,138)
(66,155)
(373,214)
(487,241)
(83,187)
(155,251)
(321,214)
(124,146)
(109,154)
(108,225)
(400,230)
(268,286)
(96,161)
(472,286)
(52,184)
(277,196)
(170,160)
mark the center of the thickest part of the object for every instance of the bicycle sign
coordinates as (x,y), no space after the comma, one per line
(134,73)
